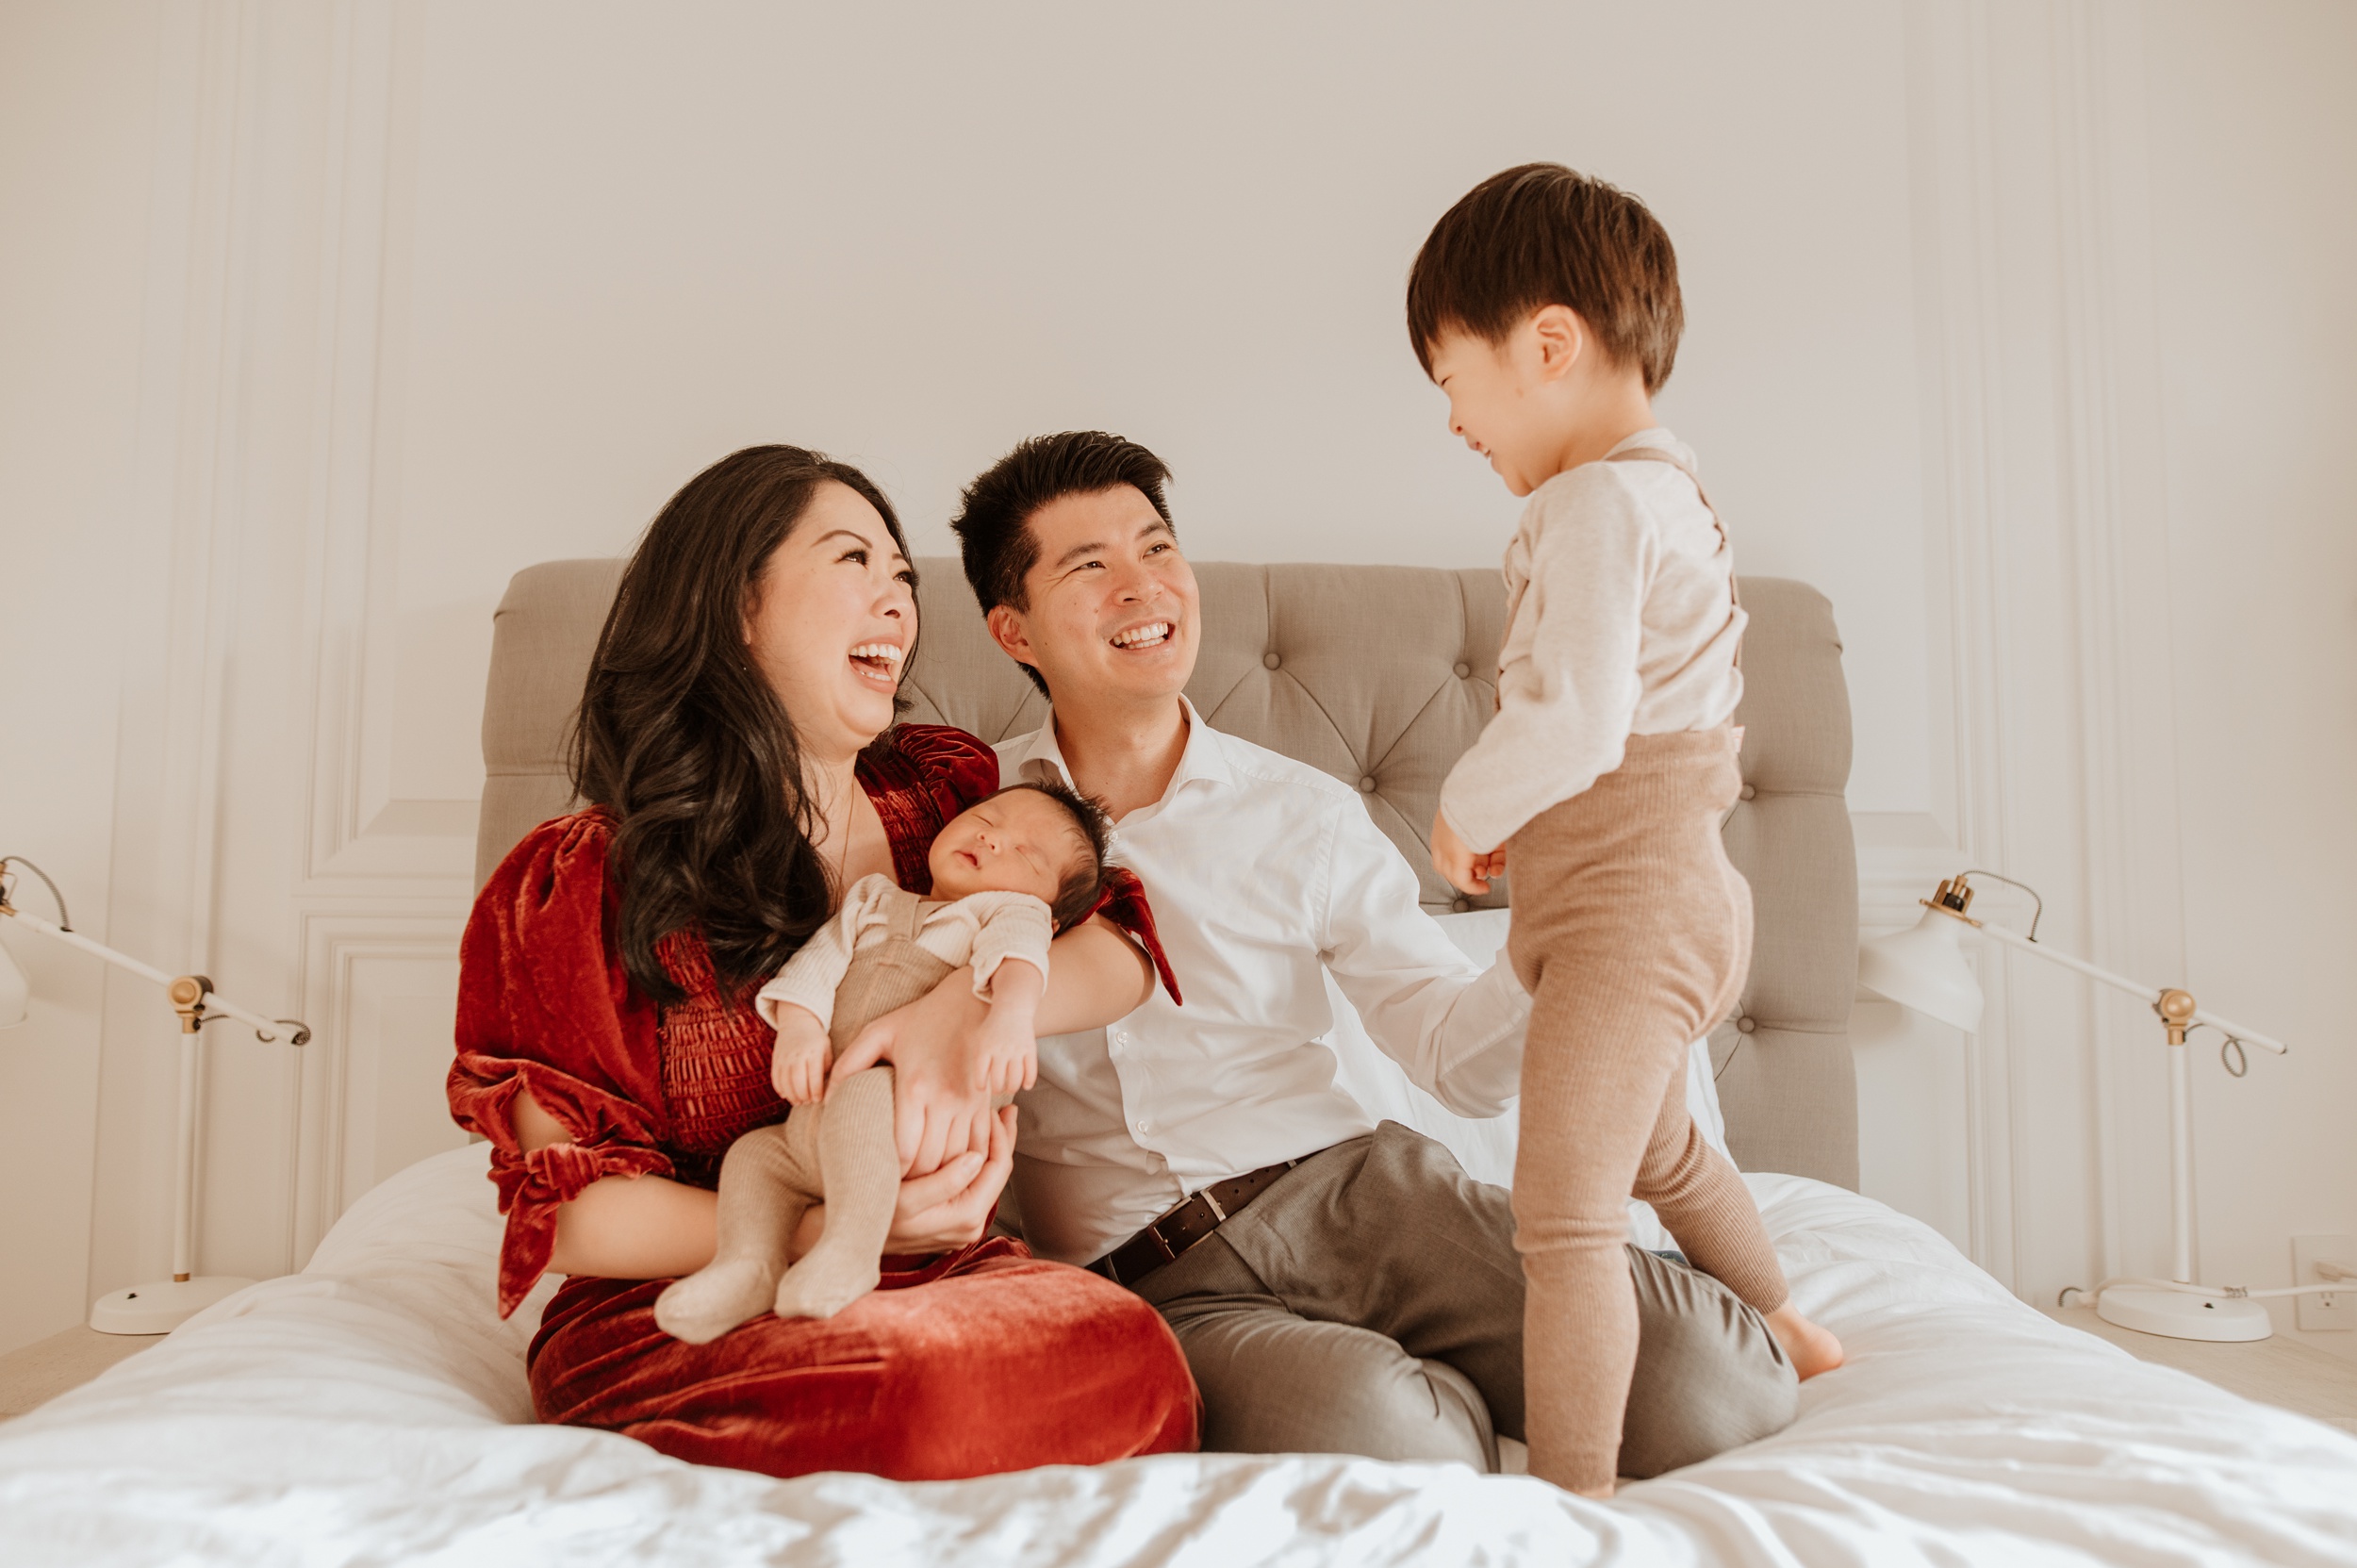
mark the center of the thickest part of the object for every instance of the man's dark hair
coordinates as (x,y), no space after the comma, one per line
(993,524)
(1541,235)
(1084,880)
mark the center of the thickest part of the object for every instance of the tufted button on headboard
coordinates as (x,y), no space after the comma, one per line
(1381,676)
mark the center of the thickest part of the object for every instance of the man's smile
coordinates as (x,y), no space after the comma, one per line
(1152,634)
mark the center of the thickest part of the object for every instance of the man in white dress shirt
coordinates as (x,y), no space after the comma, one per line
(1337,1286)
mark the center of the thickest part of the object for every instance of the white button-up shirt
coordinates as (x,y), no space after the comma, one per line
(1261,872)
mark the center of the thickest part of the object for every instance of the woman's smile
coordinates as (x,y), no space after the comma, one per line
(878,664)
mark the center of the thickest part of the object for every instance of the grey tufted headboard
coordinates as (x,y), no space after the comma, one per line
(1381,676)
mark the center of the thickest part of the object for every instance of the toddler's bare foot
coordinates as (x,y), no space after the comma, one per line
(1813,1348)
(714,1299)
(822,1285)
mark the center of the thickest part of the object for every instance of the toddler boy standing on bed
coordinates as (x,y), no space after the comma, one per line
(1546,304)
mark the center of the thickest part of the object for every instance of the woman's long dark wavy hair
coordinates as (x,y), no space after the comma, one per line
(687,745)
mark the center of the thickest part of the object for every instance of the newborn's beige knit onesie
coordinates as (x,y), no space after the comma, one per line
(841,1149)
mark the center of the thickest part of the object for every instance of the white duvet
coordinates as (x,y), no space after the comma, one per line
(373,1410)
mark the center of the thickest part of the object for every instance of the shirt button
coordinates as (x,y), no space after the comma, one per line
(1463,671)
(1270,661)
(1143,1126)
(1459,906)
(1747,1024)
(1747,792)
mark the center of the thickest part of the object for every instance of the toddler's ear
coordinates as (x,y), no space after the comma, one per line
(1562,338)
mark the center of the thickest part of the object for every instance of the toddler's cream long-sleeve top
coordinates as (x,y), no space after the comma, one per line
(1620,621)
(983,928)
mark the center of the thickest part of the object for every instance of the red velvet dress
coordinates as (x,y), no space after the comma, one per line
(980,1360)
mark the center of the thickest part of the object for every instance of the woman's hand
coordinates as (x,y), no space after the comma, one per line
(948,1208)
(951,1207)
(939,1106)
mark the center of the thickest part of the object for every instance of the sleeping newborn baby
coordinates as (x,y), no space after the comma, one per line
(1008,873)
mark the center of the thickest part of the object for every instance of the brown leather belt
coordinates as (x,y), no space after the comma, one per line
(1189,1223)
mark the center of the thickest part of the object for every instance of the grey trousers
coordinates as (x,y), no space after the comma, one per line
(1371,1302)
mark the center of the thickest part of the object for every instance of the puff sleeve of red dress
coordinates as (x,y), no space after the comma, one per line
(545,1006)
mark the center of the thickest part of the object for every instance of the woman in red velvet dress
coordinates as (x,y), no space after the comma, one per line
(738,747)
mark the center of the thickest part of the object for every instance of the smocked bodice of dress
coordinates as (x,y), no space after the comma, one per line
(714,1068)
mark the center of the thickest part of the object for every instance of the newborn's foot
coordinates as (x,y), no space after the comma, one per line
(823,1284)
(714,1299)
(1813,1348)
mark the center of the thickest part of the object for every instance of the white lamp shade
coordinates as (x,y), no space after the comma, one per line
(14,992)
(1925,969)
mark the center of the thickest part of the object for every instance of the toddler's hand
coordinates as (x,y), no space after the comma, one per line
(1466,872)
(798,1068)
(1006,1057)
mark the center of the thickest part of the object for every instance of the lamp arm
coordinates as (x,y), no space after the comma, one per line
(2122,983)
(264,1029)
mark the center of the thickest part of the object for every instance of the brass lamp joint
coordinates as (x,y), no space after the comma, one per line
(2176,1009)
(188,995)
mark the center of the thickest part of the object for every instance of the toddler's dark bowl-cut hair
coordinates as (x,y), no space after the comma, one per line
(1541,235)
(1083,881)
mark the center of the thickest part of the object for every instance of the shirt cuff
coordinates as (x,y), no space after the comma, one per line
(1484,1072)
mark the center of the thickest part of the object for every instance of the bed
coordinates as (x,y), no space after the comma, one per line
(373,1407)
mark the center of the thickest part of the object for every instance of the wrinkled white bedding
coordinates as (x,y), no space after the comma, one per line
(373,1410)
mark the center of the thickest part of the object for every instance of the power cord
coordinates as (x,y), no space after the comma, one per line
(65,922)
(2215,1292)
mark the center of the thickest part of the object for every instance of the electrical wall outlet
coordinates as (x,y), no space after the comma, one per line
(2338,1310)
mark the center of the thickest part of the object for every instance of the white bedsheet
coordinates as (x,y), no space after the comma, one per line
(373,1410)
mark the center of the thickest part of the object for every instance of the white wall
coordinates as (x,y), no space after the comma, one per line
(415,295)
(2255,148)
(71,267)
(633,244)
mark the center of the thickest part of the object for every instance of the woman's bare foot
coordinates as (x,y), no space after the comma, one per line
(1813,1350)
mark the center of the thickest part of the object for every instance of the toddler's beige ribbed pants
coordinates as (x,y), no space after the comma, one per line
(1632,933)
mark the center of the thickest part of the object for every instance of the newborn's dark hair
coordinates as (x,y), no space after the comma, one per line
(1084,881)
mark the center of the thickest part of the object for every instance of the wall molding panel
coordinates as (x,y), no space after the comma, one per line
(313,891)
(359,830)
(370,973)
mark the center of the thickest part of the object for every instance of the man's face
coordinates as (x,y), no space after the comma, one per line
(1112,604)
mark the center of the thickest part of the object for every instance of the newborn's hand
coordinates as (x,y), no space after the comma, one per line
(798,1068)
(1465,870)
(1006,1057)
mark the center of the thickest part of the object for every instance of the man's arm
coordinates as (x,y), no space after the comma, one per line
(1457,1030)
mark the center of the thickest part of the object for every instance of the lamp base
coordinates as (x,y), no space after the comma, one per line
(2179,1315)
(161,1306)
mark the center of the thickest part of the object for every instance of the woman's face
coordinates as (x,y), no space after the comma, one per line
(833,619)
